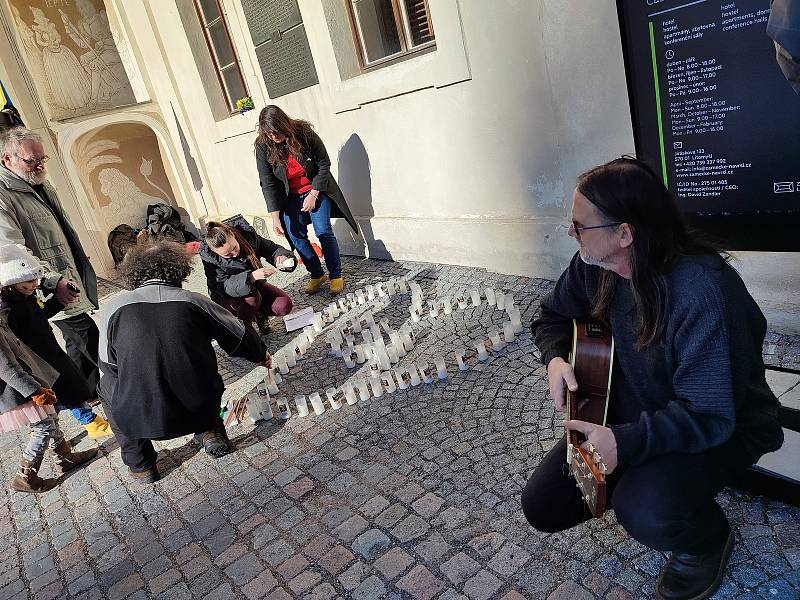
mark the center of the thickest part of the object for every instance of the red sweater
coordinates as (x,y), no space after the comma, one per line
(298,182)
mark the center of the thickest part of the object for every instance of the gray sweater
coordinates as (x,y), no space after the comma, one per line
(701,385)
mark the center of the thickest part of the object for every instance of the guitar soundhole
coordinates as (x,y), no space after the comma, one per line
(594,330)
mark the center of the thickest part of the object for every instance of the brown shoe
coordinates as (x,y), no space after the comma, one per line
(27,479)
(149,475)
(66,459)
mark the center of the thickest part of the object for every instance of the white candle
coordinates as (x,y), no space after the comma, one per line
(462,301)
(363,390)
(414,316)
(490,297)
(394,357)
(350,393)
(301,404)
(389,380)
(476,297)
(342,304)
(316,402)
(336,348)
(384,361)
(481,348)
(276,377)
(448,307)
(441,368)
(291,359)
(360,357)
(423,371)
(401,382)
(370,292)
(497,343)
(360,296)
(508,332)
(501,300)
(408,341)
(379,289)
(283,366)
(402,284)
(272,387)
(302,345)
(460,360)
(356,326)
(376,331)
(330,393)
(415,380)
(348,361)
(318,323)
(377,387)
(283,407)
(509,299)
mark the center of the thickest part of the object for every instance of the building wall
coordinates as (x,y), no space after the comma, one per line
(464,155)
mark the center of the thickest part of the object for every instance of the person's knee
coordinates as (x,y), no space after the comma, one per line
(253,301)
(648,516)
(282,306)
(537,508)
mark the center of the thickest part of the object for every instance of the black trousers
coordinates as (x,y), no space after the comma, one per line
(81,338)
(138,454)
(666,503)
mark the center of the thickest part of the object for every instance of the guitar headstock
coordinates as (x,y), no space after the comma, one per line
(589,471)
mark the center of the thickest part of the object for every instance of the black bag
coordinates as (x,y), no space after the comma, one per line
(121,239)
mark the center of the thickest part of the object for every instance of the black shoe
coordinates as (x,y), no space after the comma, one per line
(150,475)
(215,442)
(694,576)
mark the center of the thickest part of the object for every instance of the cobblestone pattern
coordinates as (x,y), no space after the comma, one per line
(414,495)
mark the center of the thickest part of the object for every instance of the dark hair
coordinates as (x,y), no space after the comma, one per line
(160,260)
(217,235)
(626,190)
(296,131)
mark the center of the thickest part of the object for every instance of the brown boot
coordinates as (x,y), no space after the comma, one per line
(27,478)
(66,459)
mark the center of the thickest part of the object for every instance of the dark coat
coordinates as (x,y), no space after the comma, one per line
(160,374)
(29,322)
(317,164)
(230,276)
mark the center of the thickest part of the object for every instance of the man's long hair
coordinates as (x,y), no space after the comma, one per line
(626,190)
(161,260)
(296,131)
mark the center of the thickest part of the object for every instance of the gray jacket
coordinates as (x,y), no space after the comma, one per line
(39,222)
(22,371)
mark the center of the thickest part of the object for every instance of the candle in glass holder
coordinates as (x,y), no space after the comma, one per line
(291,359)
(301,404)
(401,382)
(389,380)
(408,341)
(447,305)
(348,360)
(272,387)
(318,323)
(516,320)
(509,299)
(370,293)
(394,357)
(415,380)
(460,360)
(283,366)
(501,300)
(497,343)
(384,361)
(302,345)
(360,357)
(363,390)
(423,371)
(508,332)
(276,377)
(402,283)
(491,299)
(441,368)
(376,385)
(380,290)
(316,403)
(434,309)
(283,407)
(481,348)
(310,334)
(414,315)
(360,296)
(475,295)
(330,393)
(376,331)
(462,301)
(350,393)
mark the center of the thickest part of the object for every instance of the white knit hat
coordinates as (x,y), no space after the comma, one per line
(17,264)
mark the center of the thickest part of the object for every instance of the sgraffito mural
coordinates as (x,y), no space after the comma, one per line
(122,171)
(72,55)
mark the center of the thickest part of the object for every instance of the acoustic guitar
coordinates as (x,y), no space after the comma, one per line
(591,359)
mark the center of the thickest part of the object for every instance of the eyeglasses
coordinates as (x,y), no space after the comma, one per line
(578,228)
(33,162)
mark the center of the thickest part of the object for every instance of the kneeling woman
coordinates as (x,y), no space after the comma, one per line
(236,278)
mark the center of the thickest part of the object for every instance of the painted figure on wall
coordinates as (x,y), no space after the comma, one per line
(68,81)
(128,202)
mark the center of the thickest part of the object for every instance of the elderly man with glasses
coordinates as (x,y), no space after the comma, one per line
(31,214)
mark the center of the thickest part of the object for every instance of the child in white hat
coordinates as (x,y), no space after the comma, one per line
(26,382)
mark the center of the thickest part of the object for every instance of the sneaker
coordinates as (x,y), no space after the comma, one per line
(98,428)
(337,285)
(313,285)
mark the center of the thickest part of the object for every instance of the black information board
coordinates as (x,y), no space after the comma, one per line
(715,116)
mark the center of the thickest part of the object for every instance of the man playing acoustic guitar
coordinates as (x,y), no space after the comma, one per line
(689,404)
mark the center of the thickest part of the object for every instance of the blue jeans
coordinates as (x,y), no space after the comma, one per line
(83,414)
(296,224)
(43,434)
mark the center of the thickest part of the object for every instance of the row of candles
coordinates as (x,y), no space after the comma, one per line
(374,349)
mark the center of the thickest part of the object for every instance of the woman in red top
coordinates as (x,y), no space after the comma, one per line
(298,187)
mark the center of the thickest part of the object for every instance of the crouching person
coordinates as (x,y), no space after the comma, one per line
(160,377)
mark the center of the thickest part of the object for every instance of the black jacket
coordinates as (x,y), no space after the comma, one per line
(29,322)
(317,165)
(230,276)
(160,374)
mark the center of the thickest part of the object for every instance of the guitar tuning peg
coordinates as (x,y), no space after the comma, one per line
(596,458)
(590,447)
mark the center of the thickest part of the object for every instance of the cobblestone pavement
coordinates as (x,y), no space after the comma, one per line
(414,495)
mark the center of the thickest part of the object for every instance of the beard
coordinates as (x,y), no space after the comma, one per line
(31,177)
(603,262)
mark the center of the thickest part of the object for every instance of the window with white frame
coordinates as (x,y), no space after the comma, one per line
(387,29)
(223,54)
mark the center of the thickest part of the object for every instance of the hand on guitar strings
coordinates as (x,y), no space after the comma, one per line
(601,438)
(560,376)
